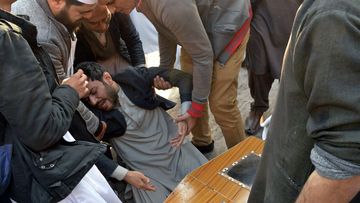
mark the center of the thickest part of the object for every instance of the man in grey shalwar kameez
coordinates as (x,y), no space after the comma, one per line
(153,142)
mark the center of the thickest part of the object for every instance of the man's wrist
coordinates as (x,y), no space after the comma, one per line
(185,106)
(196,110)
(119,173)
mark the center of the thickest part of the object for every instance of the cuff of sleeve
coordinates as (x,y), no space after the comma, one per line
(185,106)
(330,166)
(196,109)
(119,173)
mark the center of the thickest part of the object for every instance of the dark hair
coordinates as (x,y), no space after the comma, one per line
(92,70)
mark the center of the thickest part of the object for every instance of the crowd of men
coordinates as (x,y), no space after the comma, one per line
(73,76)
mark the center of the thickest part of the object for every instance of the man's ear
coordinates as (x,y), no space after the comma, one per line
(56,5)
(107,78)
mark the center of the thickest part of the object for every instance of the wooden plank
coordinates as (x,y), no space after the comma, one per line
(205,184)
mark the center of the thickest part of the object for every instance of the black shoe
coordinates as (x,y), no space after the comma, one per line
(252,122)
(206,148)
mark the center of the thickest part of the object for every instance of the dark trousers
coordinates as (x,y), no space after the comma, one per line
(260,86)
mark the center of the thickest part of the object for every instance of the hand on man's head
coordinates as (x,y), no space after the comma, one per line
(79,82)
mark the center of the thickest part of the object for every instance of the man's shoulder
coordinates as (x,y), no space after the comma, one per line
(6,27)
(24,5)
(34,12)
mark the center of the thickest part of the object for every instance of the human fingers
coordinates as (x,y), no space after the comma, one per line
(182,128)
(174,142)
(182,117)
(158,83)
(78,73)
(190,124)
(165,84)
(149,187)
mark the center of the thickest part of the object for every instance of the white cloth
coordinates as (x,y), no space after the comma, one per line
(70,68)
(88,1)
(93,187)
(147,32)
(265,125)
(68,137)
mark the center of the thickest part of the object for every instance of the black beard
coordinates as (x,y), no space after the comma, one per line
(112,94)
(63,18)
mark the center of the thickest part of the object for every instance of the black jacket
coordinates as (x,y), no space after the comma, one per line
(44,168)
(124,35)
(77,126)
(137,84)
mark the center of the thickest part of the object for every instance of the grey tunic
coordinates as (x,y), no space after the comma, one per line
(145,147)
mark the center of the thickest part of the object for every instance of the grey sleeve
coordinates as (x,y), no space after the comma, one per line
(327,64)
(91,120)
(329,166)
(183,20)
(55,55)
(167,49)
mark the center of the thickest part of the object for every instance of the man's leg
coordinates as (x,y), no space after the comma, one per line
(260,86)
(201,132)
(223,97)
(93,187)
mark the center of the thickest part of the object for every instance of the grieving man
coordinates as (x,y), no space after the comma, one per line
(153,142)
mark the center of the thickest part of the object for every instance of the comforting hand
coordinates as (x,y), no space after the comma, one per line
(79,82)
(161,84)
(139,180)
(182,132)
(190,121)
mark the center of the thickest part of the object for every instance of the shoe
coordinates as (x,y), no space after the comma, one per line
(252,122)
(206,148)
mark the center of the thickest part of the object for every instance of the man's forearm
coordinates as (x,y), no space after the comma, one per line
(320,189)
